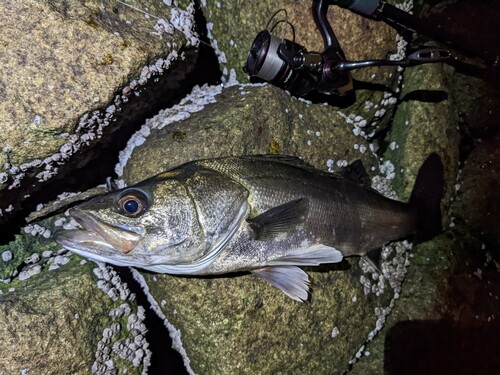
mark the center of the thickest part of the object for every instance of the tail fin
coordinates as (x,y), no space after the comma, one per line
(426,198)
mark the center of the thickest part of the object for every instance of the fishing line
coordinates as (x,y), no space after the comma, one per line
(153,16)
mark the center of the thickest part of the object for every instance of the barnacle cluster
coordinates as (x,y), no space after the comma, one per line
(175,334)
(125,338)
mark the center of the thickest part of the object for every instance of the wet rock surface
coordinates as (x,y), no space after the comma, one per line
(447,316)
(448,309)
(244,119)
(72,75)
(61,313)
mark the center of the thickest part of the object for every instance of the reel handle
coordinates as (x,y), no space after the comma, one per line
(421,56)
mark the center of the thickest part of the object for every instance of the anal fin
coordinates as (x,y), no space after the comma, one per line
(290,280)
(284,274)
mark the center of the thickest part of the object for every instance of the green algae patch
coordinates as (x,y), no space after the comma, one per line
(16,252)
(60,313)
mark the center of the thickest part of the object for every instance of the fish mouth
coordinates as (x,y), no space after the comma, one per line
(98,235)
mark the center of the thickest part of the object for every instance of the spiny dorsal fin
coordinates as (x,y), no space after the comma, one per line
(374,258)
(278,220)
(356,172)
(291,280)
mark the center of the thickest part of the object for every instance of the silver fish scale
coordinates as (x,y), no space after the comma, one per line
(340,213)
(272,183)
(176,226)
(263,214)
(217,199)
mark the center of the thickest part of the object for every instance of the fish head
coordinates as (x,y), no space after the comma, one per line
(154,222)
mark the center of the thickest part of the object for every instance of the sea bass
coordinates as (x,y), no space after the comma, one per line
(264,214)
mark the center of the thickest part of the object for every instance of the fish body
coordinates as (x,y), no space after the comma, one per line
(263,214)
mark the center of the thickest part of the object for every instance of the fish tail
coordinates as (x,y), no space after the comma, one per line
(426,198)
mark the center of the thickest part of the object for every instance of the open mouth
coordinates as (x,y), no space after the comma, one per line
(98,233)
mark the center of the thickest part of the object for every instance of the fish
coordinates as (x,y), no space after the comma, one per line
(265,214)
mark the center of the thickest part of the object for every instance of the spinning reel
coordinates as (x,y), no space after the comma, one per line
(287,64)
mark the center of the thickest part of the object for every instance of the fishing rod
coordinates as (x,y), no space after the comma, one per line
(289,65)
(379,10)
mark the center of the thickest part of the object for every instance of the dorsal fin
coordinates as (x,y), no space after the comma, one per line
(356,172)
(286,159)
(278,220)
(374,258)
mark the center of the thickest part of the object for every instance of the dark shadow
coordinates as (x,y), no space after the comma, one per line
(371,86)
(439,347)
(426,96)
(489,74)
(344,265)
(469,27)
(164,359)
(338,101)
(319,98)
(332,100)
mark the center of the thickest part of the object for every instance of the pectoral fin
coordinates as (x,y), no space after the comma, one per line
(312,256)
(291,280)
(278,220)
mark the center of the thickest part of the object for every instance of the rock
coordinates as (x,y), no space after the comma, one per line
(232,33)
(449,293)
(242,325)
(58,321)
(58,312)
(75,78)
(432,263)
(477,197)
(426,121)
(238,120)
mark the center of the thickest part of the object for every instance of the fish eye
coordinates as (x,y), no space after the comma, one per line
(132,204)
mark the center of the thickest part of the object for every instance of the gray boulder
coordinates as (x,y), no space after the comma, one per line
(239,318)
(72,75)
